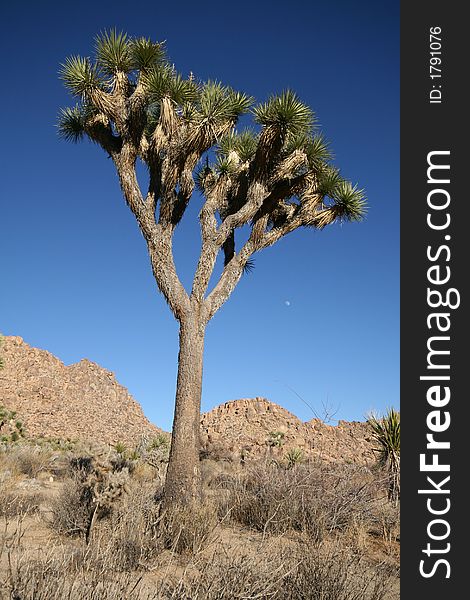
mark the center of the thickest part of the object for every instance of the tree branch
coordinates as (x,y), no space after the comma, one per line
(255,196)
(209,244)
(99,130)
(228,280)
(292,222)
(259,239)
(164,270)
(103,101)
(176,169)
(158,236)
(258,208)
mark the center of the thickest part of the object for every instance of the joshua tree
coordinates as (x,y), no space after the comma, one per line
(272,179)
(386,432)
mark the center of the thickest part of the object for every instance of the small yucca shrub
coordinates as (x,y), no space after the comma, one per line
(386,434)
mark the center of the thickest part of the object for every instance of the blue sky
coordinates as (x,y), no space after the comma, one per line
(317,322)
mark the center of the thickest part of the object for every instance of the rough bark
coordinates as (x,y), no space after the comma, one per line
(183,480)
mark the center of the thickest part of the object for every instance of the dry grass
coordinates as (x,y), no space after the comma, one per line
(316,500)
(266,532)
(14,503)
(185,529)
(329,573)
(24,459)
(72,509)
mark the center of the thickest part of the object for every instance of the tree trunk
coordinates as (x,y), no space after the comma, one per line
(183,479)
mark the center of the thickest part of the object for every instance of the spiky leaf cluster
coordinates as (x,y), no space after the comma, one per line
(113,52)
(164,81)
(131,96)
(288,152)
(285,113)
(243,144)
(386,433)
(205,178)
(80,76)
(315,147)
(350,201)
(218,104)
(72,122)
(145,54)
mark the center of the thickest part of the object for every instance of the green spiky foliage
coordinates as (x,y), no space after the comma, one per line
(254,184)
(113,53)
(286,151)
(120,448)
(386,434)
(285,113)
(294,457)
(80,76)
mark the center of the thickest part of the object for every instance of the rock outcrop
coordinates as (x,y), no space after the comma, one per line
(257,427)
(84,401)
(80,401)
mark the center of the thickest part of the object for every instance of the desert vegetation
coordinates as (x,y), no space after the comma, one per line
(85,522)
(386,434)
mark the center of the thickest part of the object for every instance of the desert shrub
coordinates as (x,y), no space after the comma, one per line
(333,573)
(81,466)
(102,570)
(221,480)
(154,452)
(305,574)
(329,574)
(275,439)
(72,509)
(13,503)
(132,530)
(120,448)
(58,444)
(121,463)
(143,472)
(315,500)
(386,434)
(11,428)
(384,523)
(89,495)
(112,566)
(218,452)
(54,577)
(220,577)
(27,459)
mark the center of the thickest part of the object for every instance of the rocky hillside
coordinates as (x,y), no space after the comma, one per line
(84,401)
(80,401)
(257,427)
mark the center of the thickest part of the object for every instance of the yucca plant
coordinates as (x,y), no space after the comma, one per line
(294,456)
(386,434)
(268,180)
(120,448)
